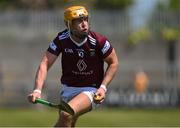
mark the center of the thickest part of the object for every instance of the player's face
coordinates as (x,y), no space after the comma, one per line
(80,27)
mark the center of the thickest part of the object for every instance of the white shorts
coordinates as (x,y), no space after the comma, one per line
(67,93)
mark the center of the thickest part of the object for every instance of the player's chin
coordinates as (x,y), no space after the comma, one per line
(84,34)
(85,31)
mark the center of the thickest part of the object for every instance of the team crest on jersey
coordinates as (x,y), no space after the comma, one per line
(80,53)
(92,52)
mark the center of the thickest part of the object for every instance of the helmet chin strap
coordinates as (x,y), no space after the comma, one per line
(68,25)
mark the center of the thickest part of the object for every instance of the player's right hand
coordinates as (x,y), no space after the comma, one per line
(33,96)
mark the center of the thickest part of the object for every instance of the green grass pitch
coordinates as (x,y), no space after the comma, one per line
(121,117)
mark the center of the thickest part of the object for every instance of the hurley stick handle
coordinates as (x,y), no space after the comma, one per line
(41,101)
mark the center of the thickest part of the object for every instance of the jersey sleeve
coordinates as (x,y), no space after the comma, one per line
(55,47)
(105,47)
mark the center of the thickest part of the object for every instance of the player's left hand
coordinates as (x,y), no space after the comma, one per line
(99,96)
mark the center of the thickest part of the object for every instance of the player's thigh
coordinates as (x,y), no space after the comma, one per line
(80,104)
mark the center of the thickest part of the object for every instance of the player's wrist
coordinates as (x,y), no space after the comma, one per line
(37,91)
(103,87)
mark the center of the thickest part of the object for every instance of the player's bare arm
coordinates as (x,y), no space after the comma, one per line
(47,61)
(112,62)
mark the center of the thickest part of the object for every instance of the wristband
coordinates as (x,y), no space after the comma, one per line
(103,87)
(37,91)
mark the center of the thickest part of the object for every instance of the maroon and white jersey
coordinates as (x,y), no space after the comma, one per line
(82,64)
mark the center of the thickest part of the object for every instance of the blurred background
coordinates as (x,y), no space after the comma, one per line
(145,34)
